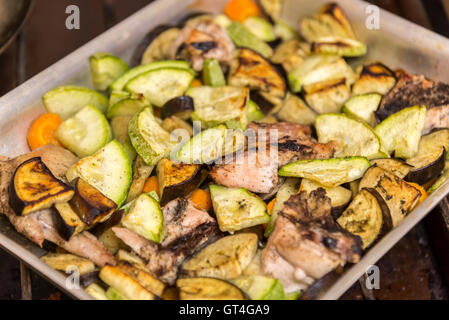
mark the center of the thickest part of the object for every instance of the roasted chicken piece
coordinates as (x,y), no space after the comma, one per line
(187,230)
(306,243)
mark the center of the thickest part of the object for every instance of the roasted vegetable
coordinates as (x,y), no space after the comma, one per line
(125,284)
(33,187)
(363,107)
(237,208)
(353,137)
(145,218)
(260,287)
(253,112)
(212,74)
(72,223)
(119,127)
(181,106)
(90,204)
(174,123)
(374,78)
(290,54)
(330,172)
(400,197)
(105,69)
(208,289)
(141,172)
(143,277)
(367,216)
(244,38)
(397,167)
(261,28)
(96,292)
(294,109)
(327,96)
(340,197)
(250,69)
(224,259)
(126,104)
(401,131)
(220,105)
(68,262)
(430,159)
(340,46)
(130,258)
(177,179)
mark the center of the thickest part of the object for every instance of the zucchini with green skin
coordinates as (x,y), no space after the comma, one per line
(114,294)
(374,78)
(367,216)
(242,37)
(181,107)
(329,172)
(363,107)
(260,287)
(344,47)
(261,28)
(253,112)
(353,137)
(96,292)
(283,31)
(119,126)
(402,131)
(220,105)
(108,170)
(237,208)
(212,74)
(161,85)
(208,289)
(149,139)
(65,101)
(105,69)
(127,106)
(327,96)
(294,109)
(85,132)
(145,218)
(120,83)
(442,179)
(157,43)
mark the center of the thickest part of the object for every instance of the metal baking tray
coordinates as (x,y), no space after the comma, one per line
(398,43)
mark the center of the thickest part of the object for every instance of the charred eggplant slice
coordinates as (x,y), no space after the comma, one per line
(68,262)
(90,204)
(33,187)
(367,216)
(399,196)
(208,289)
(430,159)
(72,223)
(181,106)
(374,78)
(250,69)
(397,167)
(177,179)
(143,277)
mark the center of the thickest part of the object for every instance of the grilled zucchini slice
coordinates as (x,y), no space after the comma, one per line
(124,283)
(397,167)
(145,218)
(367,216)
(340,197)
(177,179)
(85,133)
(208,289)
(33,187)
(374,78)
(212,74)
(65,101)
(401,132)
(242,37)
(353,137)
(224,259)
(96,292)
(363,107)
(119,126)
(149,139)
(327,96)
(344,47)
(72,223)
(220,105)
(126,104)
(161,85)
(237,208)
(65,262)
(294,109)
(108,170)
(260,287)
(261,28)
(290,54)
(430,159)
(329,172)
(105,69)
(399,196)
(158,44)
(442,178)
(253,112)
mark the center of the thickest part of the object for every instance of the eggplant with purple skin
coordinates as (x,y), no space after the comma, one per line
(367,216)
(396,166)
(430,159)
(181,106)
(70,223)
(90,204)
(33,187)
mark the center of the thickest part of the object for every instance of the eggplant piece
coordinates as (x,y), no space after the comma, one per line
(208,289)
(250,69)
(327,96)
(155,45)
(430,159)
(106,236)
(399,196)
(65,263)
(125,284)
(33,187)
(397,167)
(290,54)
(182,107)
(90,204)
(272,8)
(141,172)
(264,105)
(374,78)
(71,223)
(173,123)
(225,259)
(89,278)
(143,277)
(367,216)
(193,18)
(177,179)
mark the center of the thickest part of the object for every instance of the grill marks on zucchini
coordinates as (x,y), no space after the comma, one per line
(374,78)
(33,187)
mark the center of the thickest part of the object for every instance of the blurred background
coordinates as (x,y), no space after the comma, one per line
(33,36)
